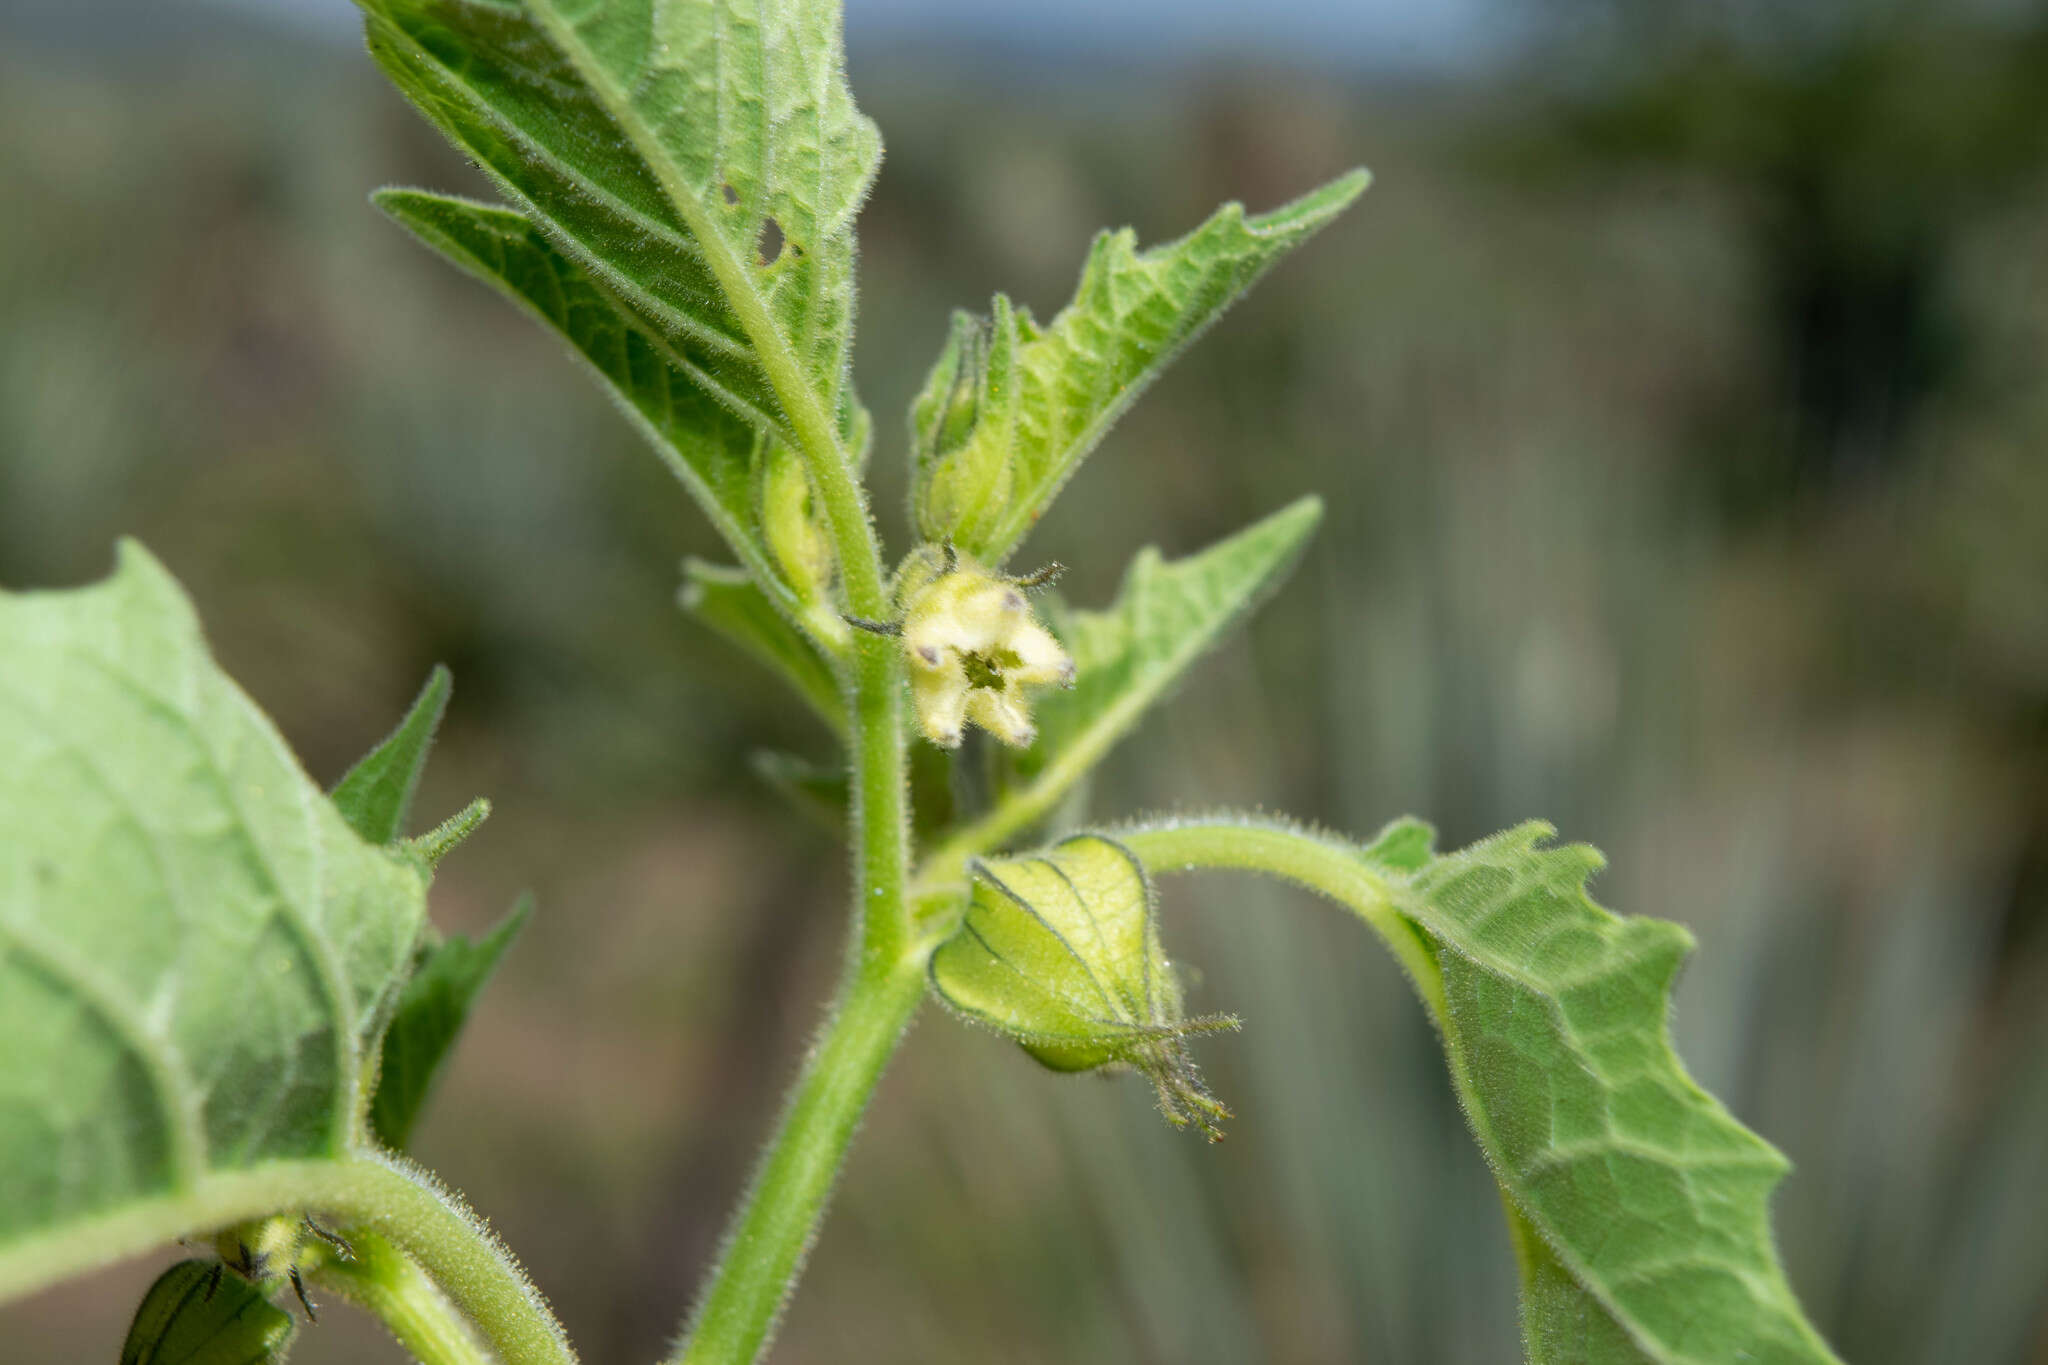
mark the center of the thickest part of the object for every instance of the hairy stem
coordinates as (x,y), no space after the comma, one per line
(766,1245)
(470,1266)
(378,1193)
(772,1232)
(381,1279)
(776,1222)
(1325,866)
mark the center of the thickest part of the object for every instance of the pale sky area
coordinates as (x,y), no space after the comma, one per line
(1424,34)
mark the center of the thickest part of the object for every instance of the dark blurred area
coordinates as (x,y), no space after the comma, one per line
(1680,399)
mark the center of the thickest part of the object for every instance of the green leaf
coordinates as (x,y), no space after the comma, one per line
(741,112)
(194,1314)
(700,162)
(731,603)
(1060,950)
(1164,618)
(1638,1206)
(1648,1201)
(707,447)
(375,795)
(446,980)
(1012,408)
(196,951)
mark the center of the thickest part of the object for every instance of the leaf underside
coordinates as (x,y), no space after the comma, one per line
(708,447)
(685,176)
(196,951)
(1647,1228)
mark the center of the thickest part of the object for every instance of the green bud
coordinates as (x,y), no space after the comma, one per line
(1060,950)
(196,1315)
(963,428)
(789,522)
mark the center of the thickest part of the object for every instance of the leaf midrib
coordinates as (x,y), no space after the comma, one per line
(1061,465)
(1513,1182)
(604,273)
(799,402)
(845,503)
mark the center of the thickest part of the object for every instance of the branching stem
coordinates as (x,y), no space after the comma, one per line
(377,1195)
(381,1279)
(1324,866)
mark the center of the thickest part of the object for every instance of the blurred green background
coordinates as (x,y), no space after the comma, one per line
(1680,399)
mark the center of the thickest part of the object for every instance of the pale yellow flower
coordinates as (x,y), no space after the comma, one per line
(974,646)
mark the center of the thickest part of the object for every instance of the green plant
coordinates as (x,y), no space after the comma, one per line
(222,999)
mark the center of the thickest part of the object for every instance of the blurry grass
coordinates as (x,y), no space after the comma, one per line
(1816,735)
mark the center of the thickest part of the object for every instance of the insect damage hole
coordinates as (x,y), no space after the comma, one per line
(732,196)
(768,246)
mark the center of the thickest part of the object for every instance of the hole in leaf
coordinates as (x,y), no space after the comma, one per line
(769,243)
(732,196)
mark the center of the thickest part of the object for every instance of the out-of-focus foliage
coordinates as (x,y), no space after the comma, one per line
(1856,156)
(1810,722)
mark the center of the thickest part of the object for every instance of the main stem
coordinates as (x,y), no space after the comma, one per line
(772,1232)
(765,1247)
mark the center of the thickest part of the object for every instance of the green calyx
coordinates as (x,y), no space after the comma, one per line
(1061,951)
(196,1315)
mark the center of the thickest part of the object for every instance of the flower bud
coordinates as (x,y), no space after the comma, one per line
(196,1315)
(789,523)
(1060,950)
(963,425)
(974,646)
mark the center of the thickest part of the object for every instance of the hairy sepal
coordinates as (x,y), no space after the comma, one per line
(1060,950)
